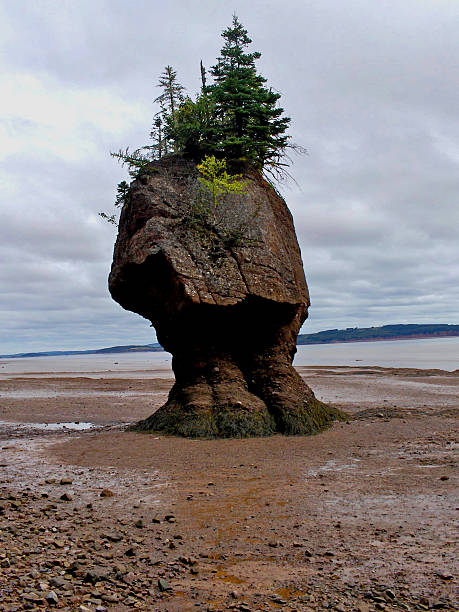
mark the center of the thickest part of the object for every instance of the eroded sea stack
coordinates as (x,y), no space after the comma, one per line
(226,293)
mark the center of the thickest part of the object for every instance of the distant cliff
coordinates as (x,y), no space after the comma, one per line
(386,332)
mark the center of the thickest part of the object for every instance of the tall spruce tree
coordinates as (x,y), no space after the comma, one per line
(249,125)
(172,94)
(169,100)
(236,117)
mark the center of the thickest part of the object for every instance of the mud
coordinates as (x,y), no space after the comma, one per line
(360,517)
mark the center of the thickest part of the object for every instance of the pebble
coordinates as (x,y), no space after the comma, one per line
(113,536)
(59,582)
(163,585)
(52,598)
(106,493)
(97,574)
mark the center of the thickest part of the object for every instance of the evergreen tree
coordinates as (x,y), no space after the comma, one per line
(122,195)
(172,94)
(249,124)
(193,127)
(157,135)
(234,119)
(169,100)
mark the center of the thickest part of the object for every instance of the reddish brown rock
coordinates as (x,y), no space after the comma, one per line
(226,292)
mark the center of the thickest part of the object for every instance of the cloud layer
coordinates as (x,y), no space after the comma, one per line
(372,93)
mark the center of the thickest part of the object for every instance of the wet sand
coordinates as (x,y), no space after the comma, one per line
(360,517)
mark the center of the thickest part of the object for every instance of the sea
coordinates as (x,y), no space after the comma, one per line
(430,353)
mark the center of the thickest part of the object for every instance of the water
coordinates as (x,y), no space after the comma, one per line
(120,365)
(71,425)
(441,353)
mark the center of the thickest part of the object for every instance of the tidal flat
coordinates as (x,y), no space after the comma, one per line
(359,517)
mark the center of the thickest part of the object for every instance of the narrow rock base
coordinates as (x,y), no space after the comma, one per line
(180,417)
(218,422)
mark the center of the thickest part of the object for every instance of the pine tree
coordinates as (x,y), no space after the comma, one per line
(235,119)
(157,136)
(249,124)
(172,94)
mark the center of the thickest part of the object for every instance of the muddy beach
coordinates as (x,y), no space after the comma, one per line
(360,517)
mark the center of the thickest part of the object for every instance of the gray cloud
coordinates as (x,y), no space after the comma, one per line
(372,92)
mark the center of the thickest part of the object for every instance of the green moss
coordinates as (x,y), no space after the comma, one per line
(221,422)
(313,418)
(235,421)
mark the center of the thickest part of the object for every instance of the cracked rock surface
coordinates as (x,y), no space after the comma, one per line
(225,289)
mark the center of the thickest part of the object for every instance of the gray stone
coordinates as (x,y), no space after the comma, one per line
(52,598)
(163,585)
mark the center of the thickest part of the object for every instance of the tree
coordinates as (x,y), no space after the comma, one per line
(157,135)
(172,94)
(169,101)
(122,194)
(215,178)
(249,124)
(191,131)
(235,119)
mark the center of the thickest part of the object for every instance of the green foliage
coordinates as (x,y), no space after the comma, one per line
(236,118)
(172,94)
(137,162)
(216,179)
(109,218)
(249,123)
(122,195)
(191,125)
(169,101)
(215,215)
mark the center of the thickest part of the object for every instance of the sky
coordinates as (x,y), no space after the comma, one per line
(372,91)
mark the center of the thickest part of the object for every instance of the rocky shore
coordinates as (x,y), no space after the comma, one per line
(358,518)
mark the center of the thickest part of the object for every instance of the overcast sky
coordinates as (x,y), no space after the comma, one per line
(371,86)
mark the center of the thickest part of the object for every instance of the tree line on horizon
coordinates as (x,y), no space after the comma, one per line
(354,334)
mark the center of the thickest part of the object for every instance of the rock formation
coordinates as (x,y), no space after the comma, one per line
(226,292)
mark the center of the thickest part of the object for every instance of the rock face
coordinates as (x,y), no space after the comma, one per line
(225,289)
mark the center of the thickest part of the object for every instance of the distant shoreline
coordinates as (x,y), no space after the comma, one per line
(332,336)
(413,337)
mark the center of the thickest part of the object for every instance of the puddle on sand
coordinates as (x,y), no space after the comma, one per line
(52,394)
(71,425)
(333,466)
